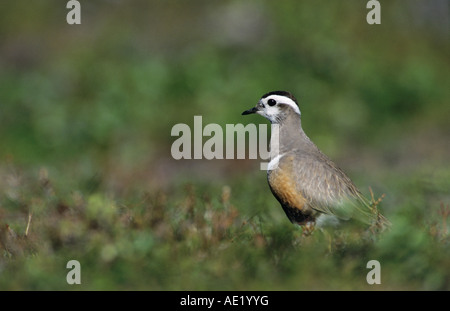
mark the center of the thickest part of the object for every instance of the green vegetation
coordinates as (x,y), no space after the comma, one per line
(85,167)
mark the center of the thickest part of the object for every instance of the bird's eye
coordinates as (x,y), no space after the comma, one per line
(272,102)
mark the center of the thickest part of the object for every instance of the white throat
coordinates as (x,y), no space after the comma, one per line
(275,155)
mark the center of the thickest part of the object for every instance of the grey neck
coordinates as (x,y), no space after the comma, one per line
(288,135)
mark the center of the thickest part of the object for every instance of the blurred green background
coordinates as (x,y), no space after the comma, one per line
(86,113)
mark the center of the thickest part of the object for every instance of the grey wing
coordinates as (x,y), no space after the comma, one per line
(329,190)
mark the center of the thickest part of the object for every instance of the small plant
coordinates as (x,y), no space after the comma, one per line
(437,230)
(381,222)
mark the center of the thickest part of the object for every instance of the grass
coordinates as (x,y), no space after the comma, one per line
(204,236)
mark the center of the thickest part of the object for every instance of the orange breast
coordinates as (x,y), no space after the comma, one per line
(282,184)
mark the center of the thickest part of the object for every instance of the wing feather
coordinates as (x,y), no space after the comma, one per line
(328,189)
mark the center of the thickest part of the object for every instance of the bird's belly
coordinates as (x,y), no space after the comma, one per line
(293,202)
(284,188)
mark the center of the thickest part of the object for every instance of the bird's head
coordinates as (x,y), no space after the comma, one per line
(276,106)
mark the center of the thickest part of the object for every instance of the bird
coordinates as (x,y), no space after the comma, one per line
(312,190)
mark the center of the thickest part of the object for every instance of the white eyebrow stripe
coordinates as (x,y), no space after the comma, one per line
(284,100)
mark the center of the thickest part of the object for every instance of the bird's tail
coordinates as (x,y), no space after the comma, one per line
(368,212)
